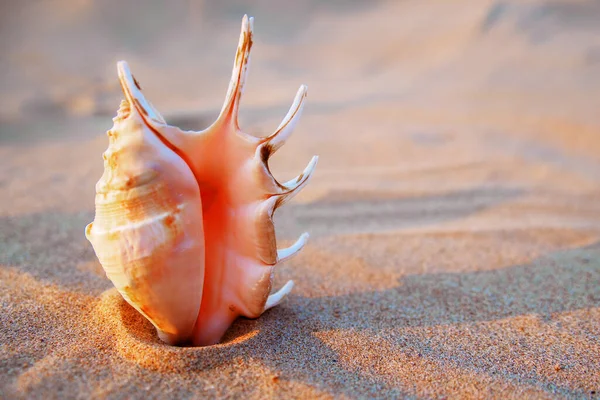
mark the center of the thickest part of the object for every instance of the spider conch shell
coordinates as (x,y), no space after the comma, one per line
(183,224)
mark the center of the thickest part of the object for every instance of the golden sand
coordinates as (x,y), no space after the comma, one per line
(454,214)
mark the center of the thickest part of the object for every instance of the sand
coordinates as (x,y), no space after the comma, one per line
(454,214)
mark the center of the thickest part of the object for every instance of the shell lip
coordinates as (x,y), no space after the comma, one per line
(133,93)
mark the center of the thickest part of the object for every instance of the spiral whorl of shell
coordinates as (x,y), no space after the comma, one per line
(239,196)
(147,231)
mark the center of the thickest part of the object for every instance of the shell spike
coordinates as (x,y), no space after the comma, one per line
(286,127)
(276,298)
(238,75)
(183,141)
(135,97)
(294,186)
(289,252)
(302,179)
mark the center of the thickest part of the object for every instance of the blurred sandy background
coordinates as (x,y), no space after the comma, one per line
(454,214)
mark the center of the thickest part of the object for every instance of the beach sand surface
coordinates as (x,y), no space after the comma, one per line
(454,214)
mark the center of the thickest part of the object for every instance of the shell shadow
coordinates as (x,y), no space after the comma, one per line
(285,339)
(265,340)
(136,340)
(431,300)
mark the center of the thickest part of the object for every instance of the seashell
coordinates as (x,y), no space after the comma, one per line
(184,219)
